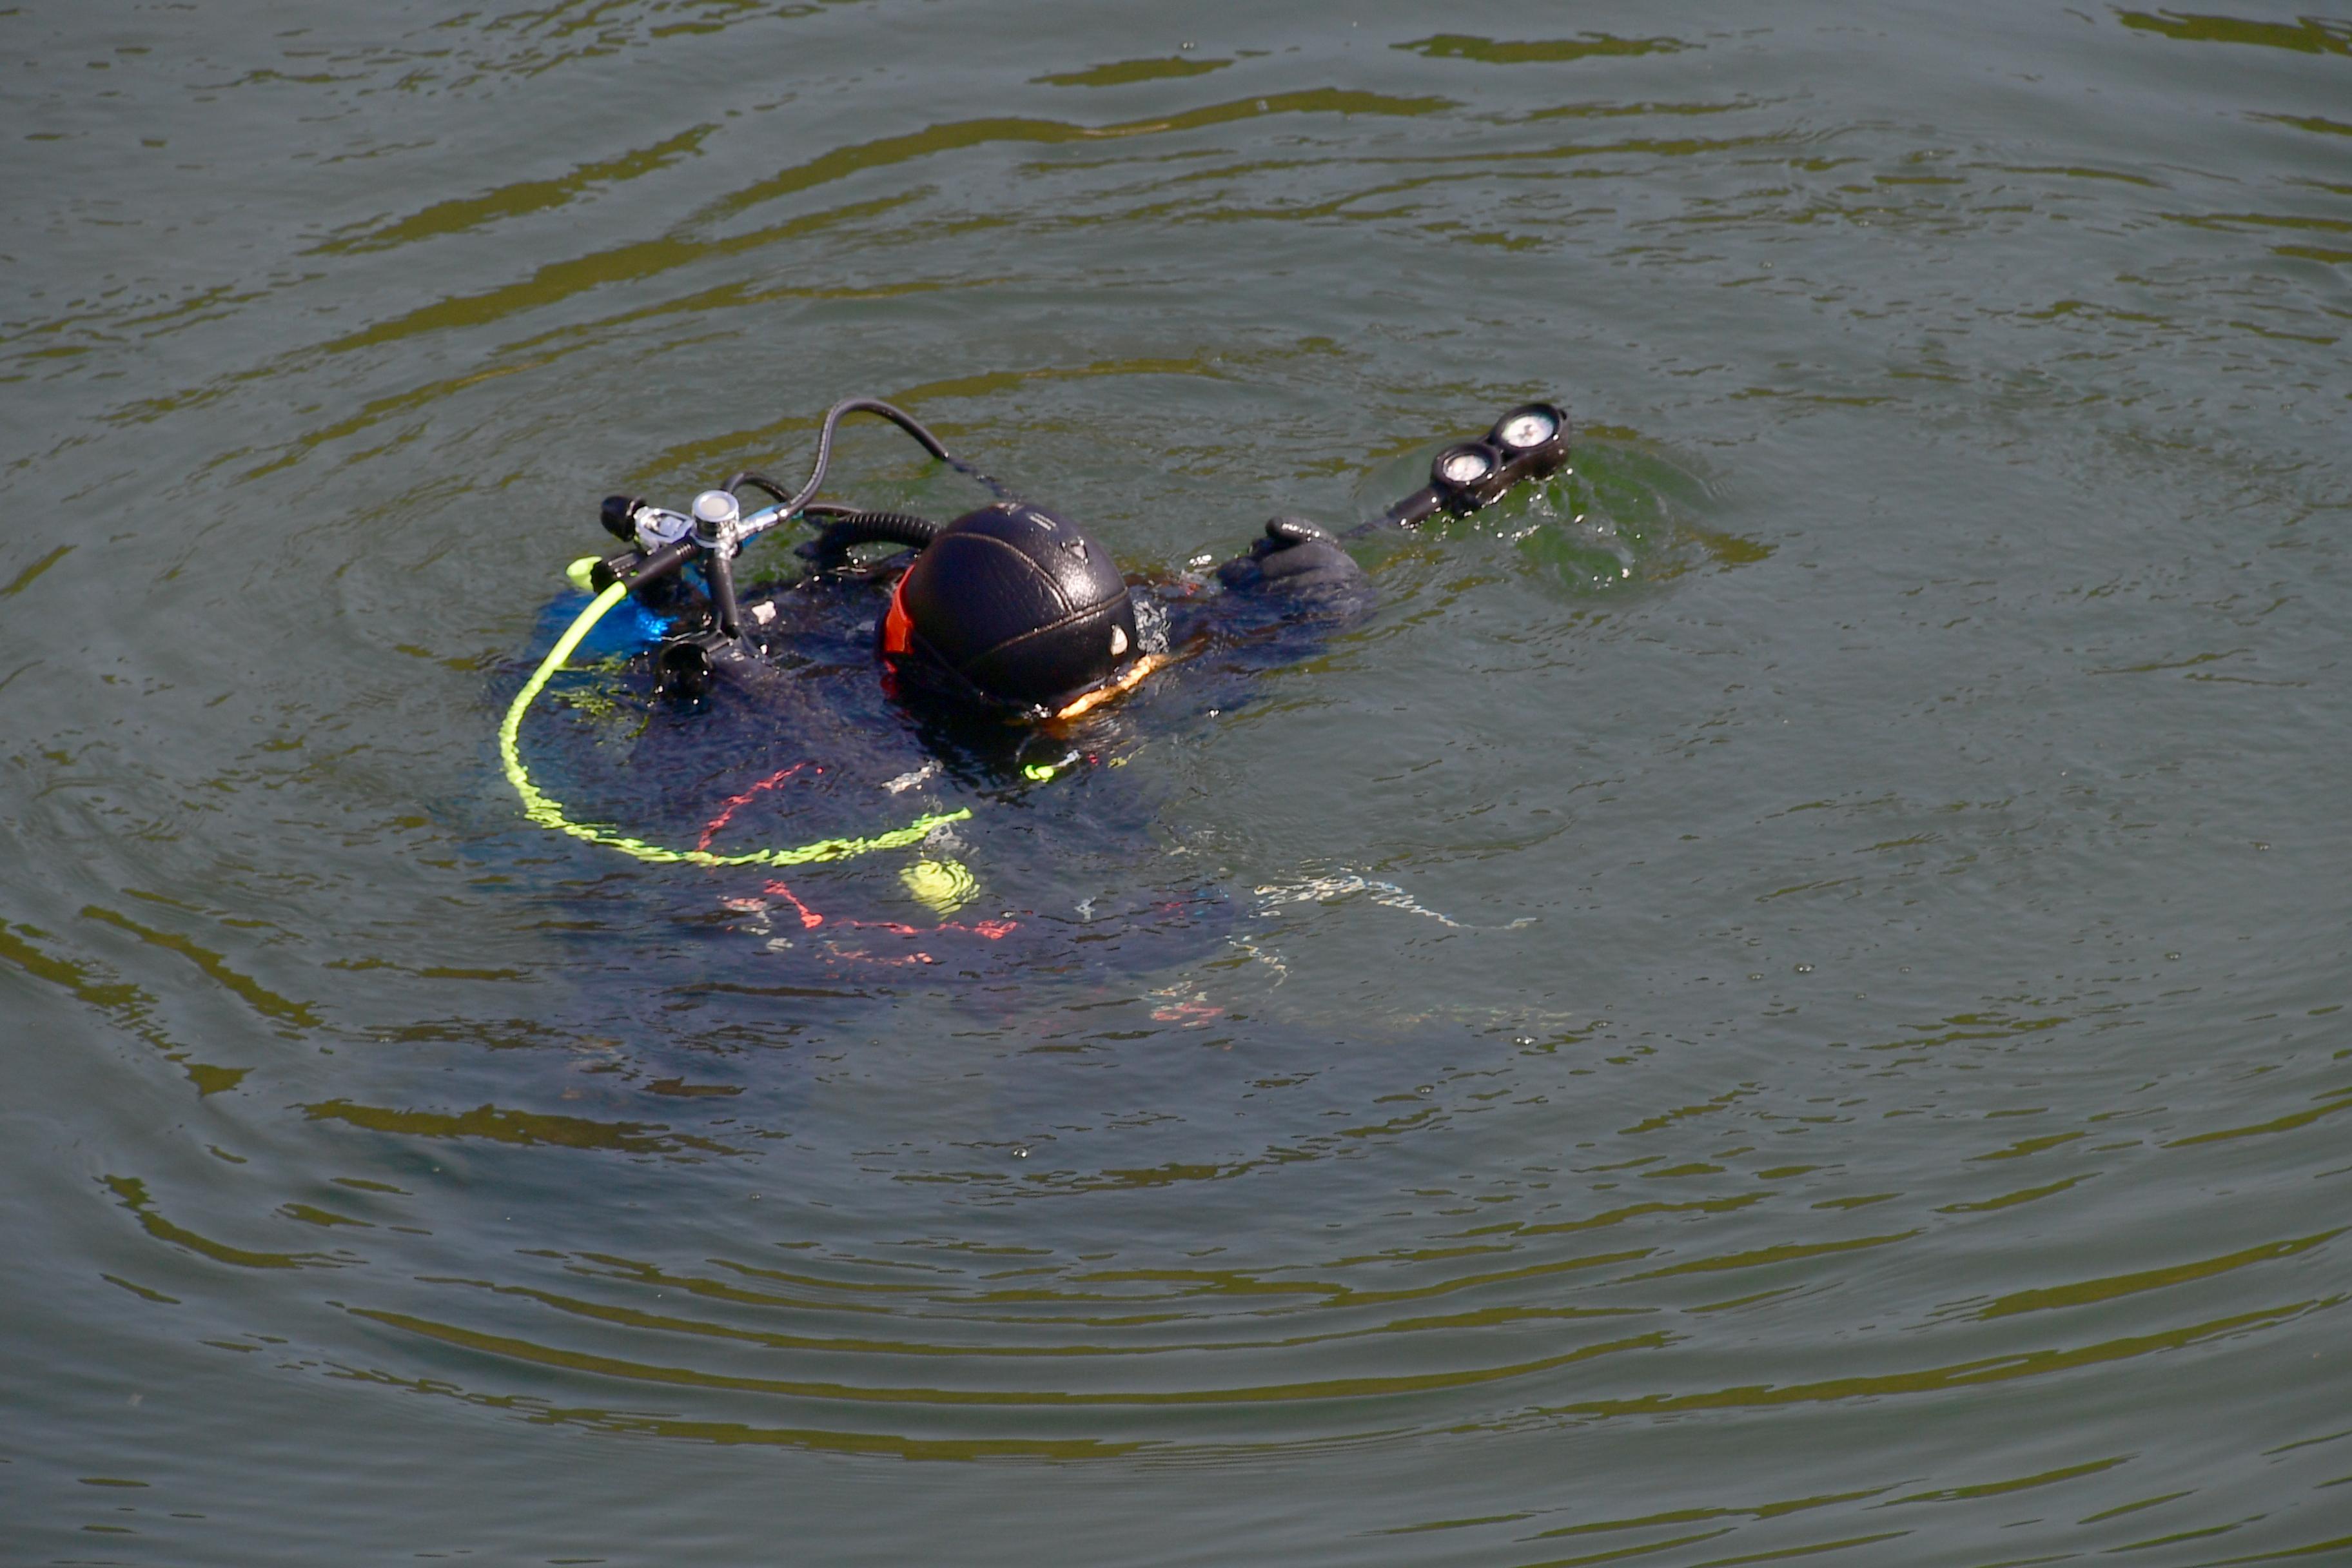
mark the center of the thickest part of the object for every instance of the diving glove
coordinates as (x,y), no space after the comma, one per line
(1295,556)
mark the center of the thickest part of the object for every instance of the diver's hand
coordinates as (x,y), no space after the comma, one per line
(1296,556)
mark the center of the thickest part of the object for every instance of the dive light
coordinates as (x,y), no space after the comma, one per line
(1527,443)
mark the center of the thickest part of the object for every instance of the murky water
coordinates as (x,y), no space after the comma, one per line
(1782,998)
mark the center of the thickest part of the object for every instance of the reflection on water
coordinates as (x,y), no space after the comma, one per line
(1782,998)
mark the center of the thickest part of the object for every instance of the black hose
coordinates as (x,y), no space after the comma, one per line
(758,480)
(640,570)
(993,486)
(898,417)
(846,527)
(719,570)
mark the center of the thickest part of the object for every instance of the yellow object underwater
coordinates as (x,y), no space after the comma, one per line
(944,887)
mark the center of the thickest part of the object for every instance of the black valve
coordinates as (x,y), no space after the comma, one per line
(619,517)
(684,667)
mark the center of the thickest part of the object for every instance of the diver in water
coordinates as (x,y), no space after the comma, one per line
(1011,609)
(1003,638)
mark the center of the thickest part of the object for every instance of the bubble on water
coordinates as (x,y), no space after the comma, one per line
(1020,1151)
(1754,974)
(1804,969)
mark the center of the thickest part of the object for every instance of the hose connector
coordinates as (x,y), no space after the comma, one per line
(718,522)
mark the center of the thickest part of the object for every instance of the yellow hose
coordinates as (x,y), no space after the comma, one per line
(548,813)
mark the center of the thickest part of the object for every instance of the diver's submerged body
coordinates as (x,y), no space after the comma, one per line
(1009,648)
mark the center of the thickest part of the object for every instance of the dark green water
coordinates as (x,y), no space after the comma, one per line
(1880,1092)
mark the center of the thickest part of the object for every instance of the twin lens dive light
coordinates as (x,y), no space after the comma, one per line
(1527,443)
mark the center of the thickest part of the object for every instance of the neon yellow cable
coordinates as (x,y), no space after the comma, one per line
(546,813)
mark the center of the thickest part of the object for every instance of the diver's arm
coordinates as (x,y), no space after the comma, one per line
(1284,598)
(1306,563)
